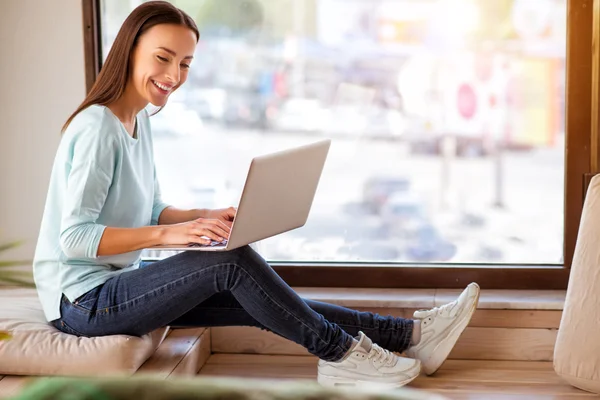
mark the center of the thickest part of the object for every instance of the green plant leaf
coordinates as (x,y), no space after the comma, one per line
(15,274)
(15,263)
(16,281)
(20,278)
(10,245)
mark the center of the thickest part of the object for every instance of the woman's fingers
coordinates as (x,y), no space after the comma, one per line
(198,239)
(211,232)
(220,224)
(217,227)
(217,222)
(209,228)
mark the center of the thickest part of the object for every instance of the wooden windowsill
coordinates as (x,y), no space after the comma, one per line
(426,298)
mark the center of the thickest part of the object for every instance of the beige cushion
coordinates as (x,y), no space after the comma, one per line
(577,351)
(37,348)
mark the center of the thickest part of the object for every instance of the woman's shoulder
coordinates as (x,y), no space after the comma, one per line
(90,120)
(94,113)
(92,124)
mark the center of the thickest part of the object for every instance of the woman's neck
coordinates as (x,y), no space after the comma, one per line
(127,107)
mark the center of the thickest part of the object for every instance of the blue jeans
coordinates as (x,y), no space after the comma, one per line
(234,288)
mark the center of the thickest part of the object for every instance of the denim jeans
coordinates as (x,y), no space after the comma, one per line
(234,288)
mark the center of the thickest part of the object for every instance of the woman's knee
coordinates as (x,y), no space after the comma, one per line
(243,255)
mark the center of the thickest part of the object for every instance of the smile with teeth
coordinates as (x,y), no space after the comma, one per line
(162,87)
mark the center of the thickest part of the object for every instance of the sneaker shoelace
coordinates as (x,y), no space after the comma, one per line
(382,355)
(444,311)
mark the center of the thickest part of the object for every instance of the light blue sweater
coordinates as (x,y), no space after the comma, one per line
(101,177)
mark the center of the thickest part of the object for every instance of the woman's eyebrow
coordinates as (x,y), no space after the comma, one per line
(171,52)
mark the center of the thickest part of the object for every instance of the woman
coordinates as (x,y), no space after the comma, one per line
(104,206)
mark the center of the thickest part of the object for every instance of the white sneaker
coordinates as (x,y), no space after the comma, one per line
(441,327)
(369,366)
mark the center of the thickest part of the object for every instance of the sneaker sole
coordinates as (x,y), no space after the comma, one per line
(443,349)
(342,382)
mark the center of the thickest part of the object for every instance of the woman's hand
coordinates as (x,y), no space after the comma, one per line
(225,215)
(201,231)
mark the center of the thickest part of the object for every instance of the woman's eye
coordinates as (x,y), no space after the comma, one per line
(186,66)
(162,59)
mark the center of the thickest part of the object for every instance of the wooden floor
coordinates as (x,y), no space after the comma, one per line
(457,380)
(498,380)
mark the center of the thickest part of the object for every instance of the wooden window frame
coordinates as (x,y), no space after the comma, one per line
(582,157)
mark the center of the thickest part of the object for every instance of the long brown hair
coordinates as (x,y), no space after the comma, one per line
(113,76)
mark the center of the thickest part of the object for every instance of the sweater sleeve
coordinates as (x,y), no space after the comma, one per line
(93,159)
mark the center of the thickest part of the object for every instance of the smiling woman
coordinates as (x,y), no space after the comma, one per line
(104,207)
(163,45)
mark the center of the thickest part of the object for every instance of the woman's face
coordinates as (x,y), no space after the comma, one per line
(160,62)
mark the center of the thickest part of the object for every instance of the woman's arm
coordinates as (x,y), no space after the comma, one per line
(88,183)
(123,240)
(172,215)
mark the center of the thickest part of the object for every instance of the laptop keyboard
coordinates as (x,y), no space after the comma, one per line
(211,244)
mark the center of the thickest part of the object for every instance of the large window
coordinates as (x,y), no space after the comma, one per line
(447,119)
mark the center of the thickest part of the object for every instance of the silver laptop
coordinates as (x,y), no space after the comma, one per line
(277,197)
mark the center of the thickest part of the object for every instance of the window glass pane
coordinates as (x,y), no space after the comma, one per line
(447,120)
